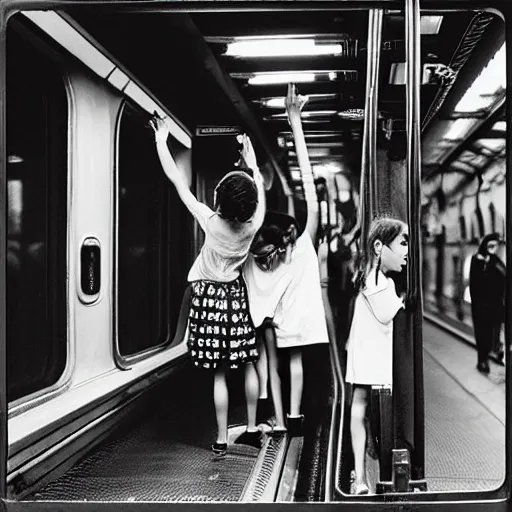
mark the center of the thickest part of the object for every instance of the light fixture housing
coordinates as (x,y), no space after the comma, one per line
(269,78)
(279,47)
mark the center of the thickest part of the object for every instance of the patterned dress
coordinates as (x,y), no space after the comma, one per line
(220,329)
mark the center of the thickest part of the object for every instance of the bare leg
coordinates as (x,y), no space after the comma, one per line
(221,401)
(358,432)
(275,380)
(262,367)
(251,395)
(296,381)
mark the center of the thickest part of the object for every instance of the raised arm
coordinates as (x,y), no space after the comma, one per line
(175,175)
(249,157)
(294,104)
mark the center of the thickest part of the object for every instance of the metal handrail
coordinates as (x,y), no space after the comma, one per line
(368,207)
(414,288)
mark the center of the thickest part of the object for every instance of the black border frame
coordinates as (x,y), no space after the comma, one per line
(496,500)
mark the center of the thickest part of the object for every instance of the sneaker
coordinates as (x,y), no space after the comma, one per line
(271,428)
(250,439)
(483,367)
(295,425)
(264,410)
(219,450)
(361,489)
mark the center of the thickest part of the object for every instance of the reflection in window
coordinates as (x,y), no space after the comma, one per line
(36,220)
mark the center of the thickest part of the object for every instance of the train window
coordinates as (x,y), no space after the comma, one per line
(464,172)
(152,246)
(37,114)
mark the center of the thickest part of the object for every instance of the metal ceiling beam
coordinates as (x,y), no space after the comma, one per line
(232,34)
(477,134)
(347,90)
(200,50)
(299,64)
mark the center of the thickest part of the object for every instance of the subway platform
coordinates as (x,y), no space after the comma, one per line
(464,416)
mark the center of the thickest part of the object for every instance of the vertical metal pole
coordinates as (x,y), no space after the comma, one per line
(3,260)
(368,185)
(374,112)
(413,84)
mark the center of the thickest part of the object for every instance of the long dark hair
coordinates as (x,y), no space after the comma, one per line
(385,229)
(278,229)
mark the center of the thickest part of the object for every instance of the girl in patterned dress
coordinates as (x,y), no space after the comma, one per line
(221,335)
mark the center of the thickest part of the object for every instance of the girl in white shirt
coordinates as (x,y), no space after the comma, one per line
(283,281)
(221,334)
(370,342)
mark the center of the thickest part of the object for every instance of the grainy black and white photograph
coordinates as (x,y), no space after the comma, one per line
(254,252)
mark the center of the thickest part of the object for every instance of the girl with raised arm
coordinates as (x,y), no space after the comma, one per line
(283,282)
(370,341)
(221,334)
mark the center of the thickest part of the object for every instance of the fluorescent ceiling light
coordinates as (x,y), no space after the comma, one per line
(489,83)
(274,103)
(281,78)
(15,159)
(278,101)
(328,167)
(458,129)
(500,126)
(281,48)
(494,145)
(315,152)
(285,78)
(307,114)
(430,25)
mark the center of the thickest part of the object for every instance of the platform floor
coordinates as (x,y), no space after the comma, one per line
(464,416)
(167,457)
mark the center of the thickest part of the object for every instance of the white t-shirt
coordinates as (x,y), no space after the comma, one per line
(291,295)
(225,248)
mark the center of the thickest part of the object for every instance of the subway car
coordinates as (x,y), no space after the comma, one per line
(100,405)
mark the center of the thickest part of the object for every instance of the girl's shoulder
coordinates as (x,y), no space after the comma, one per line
(376,284)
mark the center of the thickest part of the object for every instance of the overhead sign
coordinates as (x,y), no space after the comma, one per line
(206,131)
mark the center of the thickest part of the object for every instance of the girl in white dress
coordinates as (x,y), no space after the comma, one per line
(283,282)
(370,342)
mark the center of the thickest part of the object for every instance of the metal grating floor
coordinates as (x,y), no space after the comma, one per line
(167,457)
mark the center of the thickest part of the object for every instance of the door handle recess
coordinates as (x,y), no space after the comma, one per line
(90,269)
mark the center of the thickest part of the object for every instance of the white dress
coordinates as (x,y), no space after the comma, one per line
(370,342)
(290,295)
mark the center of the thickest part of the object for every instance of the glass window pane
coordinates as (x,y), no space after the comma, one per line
(153,242)
(37,211)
